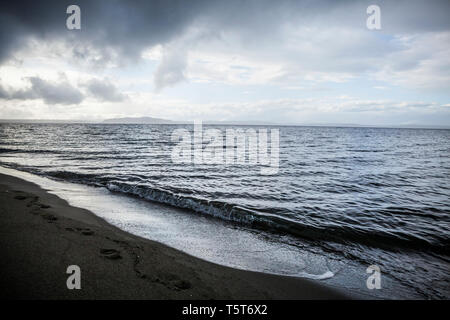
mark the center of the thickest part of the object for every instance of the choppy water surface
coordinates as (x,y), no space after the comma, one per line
(363,195)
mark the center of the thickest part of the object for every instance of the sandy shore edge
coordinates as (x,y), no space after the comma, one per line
(41,235)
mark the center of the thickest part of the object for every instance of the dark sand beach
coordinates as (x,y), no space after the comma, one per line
(41,235)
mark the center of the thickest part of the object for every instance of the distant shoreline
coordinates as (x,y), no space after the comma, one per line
(222,123)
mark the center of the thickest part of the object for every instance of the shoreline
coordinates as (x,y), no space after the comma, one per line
(41,235)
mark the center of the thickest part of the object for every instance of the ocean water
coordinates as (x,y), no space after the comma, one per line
(356,196)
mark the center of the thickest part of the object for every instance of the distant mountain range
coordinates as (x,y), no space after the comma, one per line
(150,120)
(138,120)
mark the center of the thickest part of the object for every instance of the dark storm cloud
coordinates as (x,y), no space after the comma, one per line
(127,27)
(51,93)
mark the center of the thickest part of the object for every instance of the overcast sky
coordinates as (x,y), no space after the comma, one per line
(278,61)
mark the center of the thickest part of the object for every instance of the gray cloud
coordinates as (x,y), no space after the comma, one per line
(119,31)
(3,93)
(127,27)
(171,69)
(123,26)
(49,92)
(104,90)
(62,92)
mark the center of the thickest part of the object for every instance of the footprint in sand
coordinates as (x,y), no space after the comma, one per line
(85,231)
(173,282)
(33,200)
(182,284)
(49,217)
(21,195)
(112,254)
(37,205)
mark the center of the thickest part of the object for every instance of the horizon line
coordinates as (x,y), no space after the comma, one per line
(224,122)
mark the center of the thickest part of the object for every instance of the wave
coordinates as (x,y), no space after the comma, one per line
(323,276)
(270,222)
(344,234)
(10,150)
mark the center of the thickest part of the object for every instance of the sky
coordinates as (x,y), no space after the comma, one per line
(305,62)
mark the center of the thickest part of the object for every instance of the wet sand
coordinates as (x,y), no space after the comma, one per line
(41,235)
